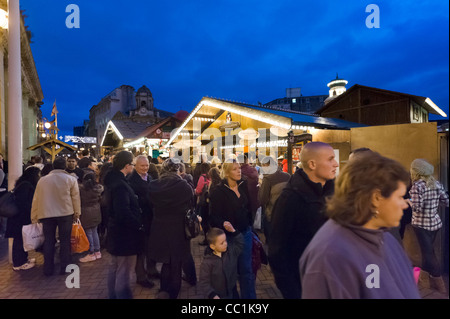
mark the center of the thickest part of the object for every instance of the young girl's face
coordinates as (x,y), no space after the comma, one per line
(221,244)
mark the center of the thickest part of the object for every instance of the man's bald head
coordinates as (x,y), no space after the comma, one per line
(318,161)
(311,151)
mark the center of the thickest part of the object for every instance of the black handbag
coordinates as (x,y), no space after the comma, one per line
(191,223)
(8,206)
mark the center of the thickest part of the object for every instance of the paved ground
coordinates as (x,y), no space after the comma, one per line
(32,284)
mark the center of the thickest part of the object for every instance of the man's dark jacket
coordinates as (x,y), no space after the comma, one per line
(296,217)
(125,229)
(141,189)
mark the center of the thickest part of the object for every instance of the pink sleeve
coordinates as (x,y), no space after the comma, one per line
(201,182)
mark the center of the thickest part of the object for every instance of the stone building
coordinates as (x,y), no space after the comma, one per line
(32,94)
(124,102)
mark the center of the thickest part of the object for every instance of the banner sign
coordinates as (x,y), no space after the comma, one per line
(80,139)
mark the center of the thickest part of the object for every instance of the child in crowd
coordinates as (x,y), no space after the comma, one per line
(91,215)
(218,271)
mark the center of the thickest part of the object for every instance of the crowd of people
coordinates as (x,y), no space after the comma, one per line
(321,231)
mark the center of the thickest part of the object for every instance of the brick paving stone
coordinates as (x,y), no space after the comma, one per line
(32,284)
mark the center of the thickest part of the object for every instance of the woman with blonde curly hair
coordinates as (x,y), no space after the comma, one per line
(426,196)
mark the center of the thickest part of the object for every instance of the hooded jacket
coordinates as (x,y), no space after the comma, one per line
(353,262)
(125,229)
(171,196)
(24,195)
(218,275)
(91,215)
(296,217)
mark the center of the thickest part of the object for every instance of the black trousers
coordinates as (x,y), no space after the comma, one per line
(19,256)
(171,278)
(145,266)
(189,270)
(64,225)
(430,262)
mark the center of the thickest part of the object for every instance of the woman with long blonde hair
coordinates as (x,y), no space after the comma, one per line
(427,194)
(229,203)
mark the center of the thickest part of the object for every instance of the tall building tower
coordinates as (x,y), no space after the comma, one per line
(337,87)
(144,98)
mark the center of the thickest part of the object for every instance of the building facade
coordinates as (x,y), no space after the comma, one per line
(32,94)
(123,133)
(373,106)
(124,101)
(295,101)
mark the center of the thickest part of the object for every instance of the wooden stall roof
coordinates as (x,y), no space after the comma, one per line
(214,111)
(425,102)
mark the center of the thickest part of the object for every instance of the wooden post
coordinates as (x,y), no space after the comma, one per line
(289,151)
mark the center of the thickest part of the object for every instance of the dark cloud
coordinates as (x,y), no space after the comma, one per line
(242,50)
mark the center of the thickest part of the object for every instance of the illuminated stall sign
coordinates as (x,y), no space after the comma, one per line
(80,139)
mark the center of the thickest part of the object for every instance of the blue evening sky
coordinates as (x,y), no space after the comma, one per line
(244,50)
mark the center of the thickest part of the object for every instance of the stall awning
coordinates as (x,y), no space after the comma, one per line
(209,110)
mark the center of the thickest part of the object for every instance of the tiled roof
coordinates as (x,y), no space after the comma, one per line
(128,128)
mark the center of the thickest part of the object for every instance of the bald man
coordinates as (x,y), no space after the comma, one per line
(299,213)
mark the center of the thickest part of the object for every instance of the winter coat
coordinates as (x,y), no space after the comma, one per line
(56,195)
(91,215)
(196,174)
(335,265)
(218,275)
(188,178)
(125,236)
(77,172)
(251,174)
(141,189)
(297,215)
(171,196)
(224,205)
(24,196)
(271,187)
